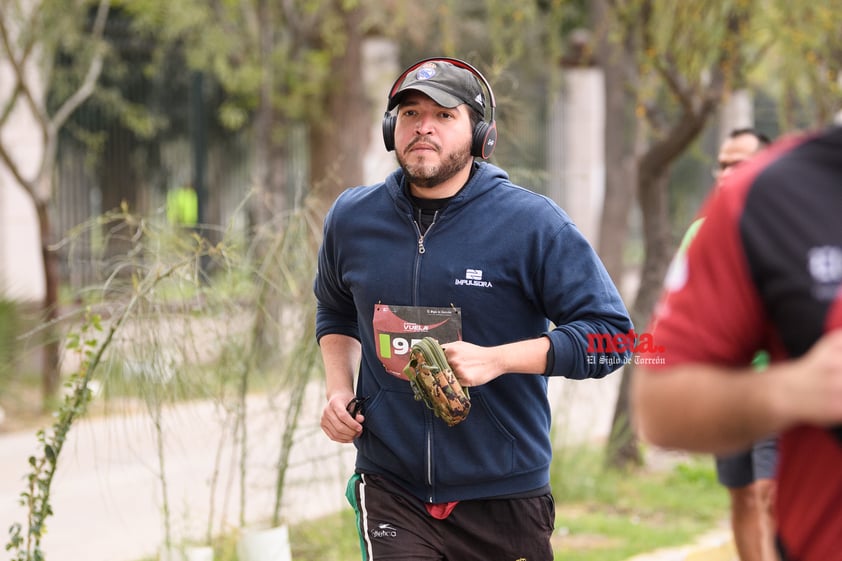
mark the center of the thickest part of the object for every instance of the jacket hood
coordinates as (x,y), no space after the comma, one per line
(485,177)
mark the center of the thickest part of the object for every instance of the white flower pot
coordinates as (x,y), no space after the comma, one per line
(198,553)
(271,544)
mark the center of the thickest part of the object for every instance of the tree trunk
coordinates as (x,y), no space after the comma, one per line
(653,196)
(617,62)
(623,451)
(50,350)
(339,143)
(267,174)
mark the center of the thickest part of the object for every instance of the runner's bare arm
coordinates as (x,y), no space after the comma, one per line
(341,356)
(704,408)
(700,408)
(475,365)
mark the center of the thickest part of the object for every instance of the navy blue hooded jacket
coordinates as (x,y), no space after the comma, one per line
(537,268)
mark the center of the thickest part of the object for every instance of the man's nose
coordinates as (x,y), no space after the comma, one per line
(424,125)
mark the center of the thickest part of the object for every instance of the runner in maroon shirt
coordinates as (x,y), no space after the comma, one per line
(764,272)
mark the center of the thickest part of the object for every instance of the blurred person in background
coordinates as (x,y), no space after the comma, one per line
(183,206)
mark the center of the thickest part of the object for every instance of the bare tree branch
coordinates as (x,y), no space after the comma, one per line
(29,186)
(7,47)
(18,68)
(94,69)
(672,78)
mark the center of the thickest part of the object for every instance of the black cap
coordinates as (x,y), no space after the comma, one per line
(447,84)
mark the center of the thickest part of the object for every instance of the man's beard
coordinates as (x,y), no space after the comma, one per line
(426,175)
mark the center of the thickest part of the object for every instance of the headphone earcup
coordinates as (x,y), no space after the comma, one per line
(389,131)
(484,139)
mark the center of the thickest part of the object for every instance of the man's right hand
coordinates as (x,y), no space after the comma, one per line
(337,423)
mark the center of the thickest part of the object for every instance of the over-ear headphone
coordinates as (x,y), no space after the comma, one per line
(485,132)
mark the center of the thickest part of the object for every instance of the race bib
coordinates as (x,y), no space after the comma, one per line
(397,328)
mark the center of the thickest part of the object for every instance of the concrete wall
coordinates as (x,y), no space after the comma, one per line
(736,112)
(577,159)
(381,67)
(21,270)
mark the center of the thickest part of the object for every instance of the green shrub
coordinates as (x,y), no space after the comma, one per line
(608,515)
(9,331)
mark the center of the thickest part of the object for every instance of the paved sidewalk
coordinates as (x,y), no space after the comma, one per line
(716,545)
(107,496)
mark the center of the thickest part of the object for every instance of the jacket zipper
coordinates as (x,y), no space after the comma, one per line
(427,429)
(421,248)
(429,462)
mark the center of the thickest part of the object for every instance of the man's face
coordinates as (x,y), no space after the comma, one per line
(432,143)
(733,151)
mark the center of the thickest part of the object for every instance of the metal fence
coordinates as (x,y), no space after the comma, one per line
(124,167)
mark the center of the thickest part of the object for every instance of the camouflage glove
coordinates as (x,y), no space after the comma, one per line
(434,383)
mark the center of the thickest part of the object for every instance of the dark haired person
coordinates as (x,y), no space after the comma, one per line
(448,247)
(740,145)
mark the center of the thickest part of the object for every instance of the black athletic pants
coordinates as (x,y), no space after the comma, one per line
(395,526)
